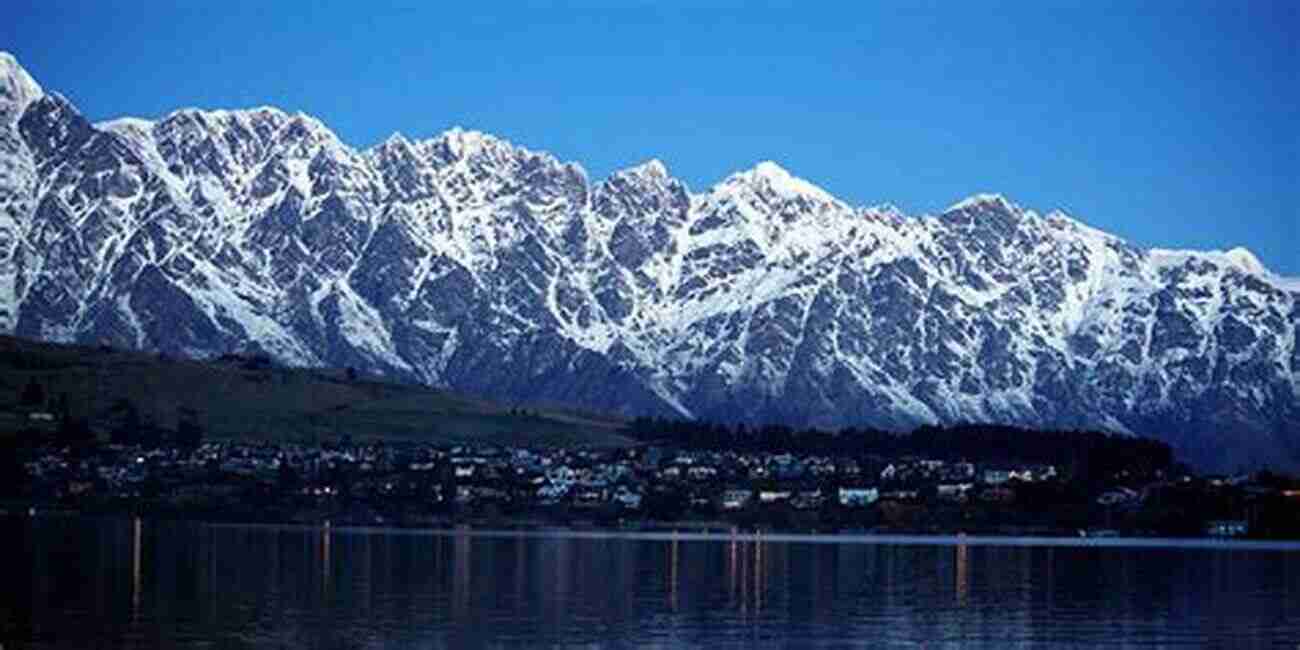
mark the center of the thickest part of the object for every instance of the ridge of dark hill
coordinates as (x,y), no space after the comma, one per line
(246,398)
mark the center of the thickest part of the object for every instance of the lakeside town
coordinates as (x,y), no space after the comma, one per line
(645,486)
(65,448)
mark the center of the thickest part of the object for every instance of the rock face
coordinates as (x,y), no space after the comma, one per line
(468,262)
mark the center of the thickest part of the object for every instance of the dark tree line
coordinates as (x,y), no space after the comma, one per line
(13,473)
(1086,453)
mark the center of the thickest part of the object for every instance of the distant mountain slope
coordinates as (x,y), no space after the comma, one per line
(467,262)
(244,398)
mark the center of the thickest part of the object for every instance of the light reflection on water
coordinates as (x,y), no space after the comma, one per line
(128,583)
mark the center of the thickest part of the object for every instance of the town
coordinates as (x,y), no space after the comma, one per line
(186,440)
(644,486)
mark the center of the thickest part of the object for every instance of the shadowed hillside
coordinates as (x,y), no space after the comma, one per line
(249,398)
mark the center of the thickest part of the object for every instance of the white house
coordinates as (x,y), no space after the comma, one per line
(552,492)
(561,474)
(1118,496)
(1226,528)
(627,498)
(889,473)
(736,499)
(997,476)
(858,496)
(701,472)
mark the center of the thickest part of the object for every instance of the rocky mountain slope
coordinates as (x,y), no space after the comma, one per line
(468,262)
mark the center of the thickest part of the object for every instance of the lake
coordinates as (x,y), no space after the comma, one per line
(121,583)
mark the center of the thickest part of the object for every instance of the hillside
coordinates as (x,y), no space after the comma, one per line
(245,398)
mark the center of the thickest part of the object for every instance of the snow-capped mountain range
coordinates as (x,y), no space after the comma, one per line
(469,262)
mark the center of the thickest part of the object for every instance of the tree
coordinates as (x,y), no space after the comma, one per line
(13,472)
(189,433)
(75,431)
(33,395)
(126,428)
(665,505)
(288,478)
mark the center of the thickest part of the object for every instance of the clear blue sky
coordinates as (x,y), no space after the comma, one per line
(1170,123)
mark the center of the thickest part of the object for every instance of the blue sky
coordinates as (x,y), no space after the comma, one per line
(1169,123)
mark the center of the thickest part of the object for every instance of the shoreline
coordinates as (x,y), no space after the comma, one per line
(689,531)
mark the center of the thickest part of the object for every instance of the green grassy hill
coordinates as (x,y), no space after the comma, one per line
(248,399)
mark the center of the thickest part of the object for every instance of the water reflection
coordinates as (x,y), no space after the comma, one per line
(326,566)
(136,528)
(962,574)
(672,576)
(461,576)
(746,575)
(136,584)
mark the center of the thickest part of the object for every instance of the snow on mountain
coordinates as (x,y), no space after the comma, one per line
(467,261)
(17,88)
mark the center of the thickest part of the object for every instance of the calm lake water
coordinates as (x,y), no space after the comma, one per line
(87,583)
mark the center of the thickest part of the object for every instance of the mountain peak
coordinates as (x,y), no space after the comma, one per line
(769,169)
(17,88)
(221,115)
(458,142)
(1244,260)
(653,168)
(774,177)
(884,210)
(470,138)
(983,200)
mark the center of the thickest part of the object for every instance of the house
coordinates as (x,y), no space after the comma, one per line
(701,472)
(735,499)
(627,498)
(1023,474)
(997,494)
(889,473)
(1117,496)
(821,467)
(1044,473)
(485,493)
(858,496)
(652,458)
(787,467)
(589,497)
(808,499)
(996,476)
(562,474)
(958,472)
(1226,528)
(901,495)
(953,491)
(552,492)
